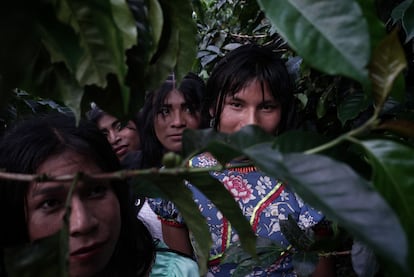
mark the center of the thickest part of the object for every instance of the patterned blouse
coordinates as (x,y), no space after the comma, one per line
(263,200)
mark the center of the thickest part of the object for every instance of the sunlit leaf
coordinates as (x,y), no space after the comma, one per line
(388,61)
(330,35)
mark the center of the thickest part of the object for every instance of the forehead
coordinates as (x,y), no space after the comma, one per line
(106,121)
(254,89)
(174,97)
(68,162)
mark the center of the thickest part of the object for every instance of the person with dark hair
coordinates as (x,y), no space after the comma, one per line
(105,238)
(123,136)
(249,86)
(166,113)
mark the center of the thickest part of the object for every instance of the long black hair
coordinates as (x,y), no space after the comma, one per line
(237,69)
(192,88)
(31,142)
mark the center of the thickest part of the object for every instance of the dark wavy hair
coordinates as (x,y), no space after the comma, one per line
(237,69)
(31,142)
(192,88)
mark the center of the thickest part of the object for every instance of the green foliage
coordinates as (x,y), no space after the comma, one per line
(356,168)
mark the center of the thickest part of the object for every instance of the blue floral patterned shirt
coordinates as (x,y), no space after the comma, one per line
(263,200)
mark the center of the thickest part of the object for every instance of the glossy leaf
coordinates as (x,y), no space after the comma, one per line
(45,257)
(393,165)
(330,35)
(352,106)
(169,183)
(196,141)
(177,48)
(387,62)
(408,23)
(173,188)
(267,250)
(342,195)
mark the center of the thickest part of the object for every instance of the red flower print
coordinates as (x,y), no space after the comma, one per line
(239,188)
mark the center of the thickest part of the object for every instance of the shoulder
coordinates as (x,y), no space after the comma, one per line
(203,160)
(132,160)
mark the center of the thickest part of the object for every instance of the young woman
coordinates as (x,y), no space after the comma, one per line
(250,85)
(167,112)
(105,238)
(123,136)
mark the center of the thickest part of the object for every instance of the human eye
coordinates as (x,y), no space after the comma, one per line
(235,104)
(50,204)
(119,126)
(105,133)
(269,106)
(164,111)
(97,190)
(189,109)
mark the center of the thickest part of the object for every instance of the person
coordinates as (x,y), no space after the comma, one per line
(104,237)
(126,142)
(166,113)
(123,136)
(250,85)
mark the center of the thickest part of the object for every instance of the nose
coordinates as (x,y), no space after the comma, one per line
(178,119)
(81,220)
(250,118)
(113,137)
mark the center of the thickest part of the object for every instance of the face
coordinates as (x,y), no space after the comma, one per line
(173,117)
(123,138)
(250,106)
(95,219)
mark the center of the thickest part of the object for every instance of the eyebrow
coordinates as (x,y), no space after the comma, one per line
(47,190)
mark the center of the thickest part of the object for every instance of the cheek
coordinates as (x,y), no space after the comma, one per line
(41,225)
(193,121)
(271,123)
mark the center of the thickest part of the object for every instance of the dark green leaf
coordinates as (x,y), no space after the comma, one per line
(171,184)
(330,35)
(393,165)
(299,238)
(408,22)
(46,257)
(352,106)
(267,250)
(342,195)
(305,263)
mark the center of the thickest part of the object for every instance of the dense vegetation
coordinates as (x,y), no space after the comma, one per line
(351,155)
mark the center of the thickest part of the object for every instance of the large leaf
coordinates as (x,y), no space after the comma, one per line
(176,50)
(170,183)
(45,257)
(387,62)
(393,176)
(342,195)
(330,35)
(352,106)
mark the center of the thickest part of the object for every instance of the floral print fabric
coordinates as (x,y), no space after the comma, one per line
(263,200)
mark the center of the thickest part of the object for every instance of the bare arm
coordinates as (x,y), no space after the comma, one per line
(177,238)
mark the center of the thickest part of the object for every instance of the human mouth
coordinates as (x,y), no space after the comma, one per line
(121,150)
(176,137)
(87,252)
